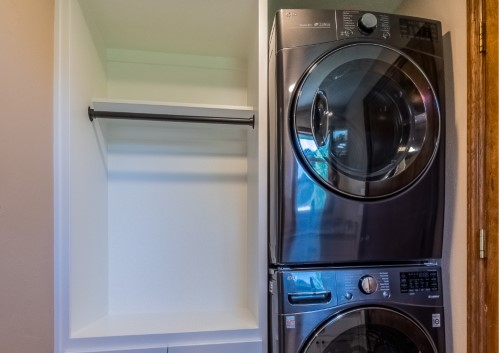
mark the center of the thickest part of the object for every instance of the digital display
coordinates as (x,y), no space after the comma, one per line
(418,281)
(418,29)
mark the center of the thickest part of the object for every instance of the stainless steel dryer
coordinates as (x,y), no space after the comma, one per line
(356,123)
(363,310)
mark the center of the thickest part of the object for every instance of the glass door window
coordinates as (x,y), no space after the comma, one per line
(371,330)
(366,120)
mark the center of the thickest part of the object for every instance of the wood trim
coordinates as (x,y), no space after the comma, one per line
(475,152)
(482,169)
(491,175)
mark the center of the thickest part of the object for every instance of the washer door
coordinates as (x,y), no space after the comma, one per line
(366,121)
(370,330)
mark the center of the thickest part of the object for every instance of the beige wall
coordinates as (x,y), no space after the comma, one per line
(26,201)
(452,14)
(26,204)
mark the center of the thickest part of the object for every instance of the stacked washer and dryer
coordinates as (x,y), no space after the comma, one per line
(356,173)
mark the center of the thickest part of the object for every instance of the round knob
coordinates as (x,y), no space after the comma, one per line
(367,23)
(368,284)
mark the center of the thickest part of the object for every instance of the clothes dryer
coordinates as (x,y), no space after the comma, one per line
(359,309)
(356,148)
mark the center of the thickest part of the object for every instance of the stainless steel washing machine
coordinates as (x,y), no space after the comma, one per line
(358,310)
(356,144)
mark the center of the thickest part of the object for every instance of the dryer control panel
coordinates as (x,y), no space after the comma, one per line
(356,24)
(353,23)
(301,27)
(403,31)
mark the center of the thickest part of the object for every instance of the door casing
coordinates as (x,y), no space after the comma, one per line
(482,180)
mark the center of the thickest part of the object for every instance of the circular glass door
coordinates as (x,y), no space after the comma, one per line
(366,121)
(370,330)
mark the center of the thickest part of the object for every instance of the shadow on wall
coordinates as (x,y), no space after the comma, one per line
(451,172)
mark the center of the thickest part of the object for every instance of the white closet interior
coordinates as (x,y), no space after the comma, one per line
(162,225)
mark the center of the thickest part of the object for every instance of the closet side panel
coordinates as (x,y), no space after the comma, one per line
(88,178)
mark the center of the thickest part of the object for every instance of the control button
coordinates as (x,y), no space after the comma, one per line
(386,294)
(386,35)
(367,23)
(346,32)
(368,284)
(348,295)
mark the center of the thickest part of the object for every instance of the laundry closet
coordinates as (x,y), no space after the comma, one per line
(161,174)
(161,224)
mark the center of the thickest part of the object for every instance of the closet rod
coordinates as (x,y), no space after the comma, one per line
(93,114)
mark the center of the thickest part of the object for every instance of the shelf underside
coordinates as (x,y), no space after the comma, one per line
(213,114)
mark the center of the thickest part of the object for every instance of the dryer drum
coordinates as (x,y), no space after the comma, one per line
(365,127)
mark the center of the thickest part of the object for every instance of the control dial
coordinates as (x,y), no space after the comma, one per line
(367,23)
(368,284)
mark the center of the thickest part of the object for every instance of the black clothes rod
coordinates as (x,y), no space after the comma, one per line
(93,114)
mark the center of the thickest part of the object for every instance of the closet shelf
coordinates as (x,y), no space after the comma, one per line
(156,111)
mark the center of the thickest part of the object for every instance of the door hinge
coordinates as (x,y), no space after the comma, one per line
(482,37)
(482,244)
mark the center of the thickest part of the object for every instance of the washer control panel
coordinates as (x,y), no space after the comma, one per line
(315,289)
(355,285)
(418,281)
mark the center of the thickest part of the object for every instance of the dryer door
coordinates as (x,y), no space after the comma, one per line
(366,121)
(370,330)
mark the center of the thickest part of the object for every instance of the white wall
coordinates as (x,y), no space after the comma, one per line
(452,14)
(26,202)
(26,254)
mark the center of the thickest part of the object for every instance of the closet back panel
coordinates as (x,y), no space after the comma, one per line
(156,76)
(177,218)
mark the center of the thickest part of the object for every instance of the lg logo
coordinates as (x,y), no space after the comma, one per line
(436,320)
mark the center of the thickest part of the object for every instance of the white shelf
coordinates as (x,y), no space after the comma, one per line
(172,323)
(152,107)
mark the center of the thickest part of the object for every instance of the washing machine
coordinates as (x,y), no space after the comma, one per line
(356,138)
(360,309)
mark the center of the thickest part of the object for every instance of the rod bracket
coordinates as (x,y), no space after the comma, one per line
(91,113)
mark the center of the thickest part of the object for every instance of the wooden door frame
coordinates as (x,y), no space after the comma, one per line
(482,171)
